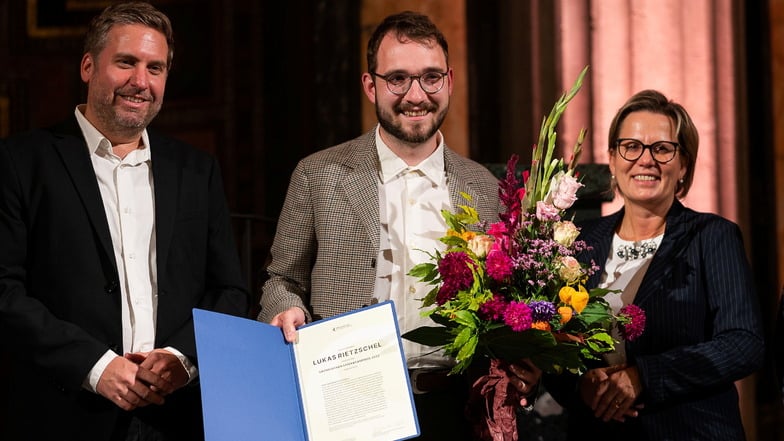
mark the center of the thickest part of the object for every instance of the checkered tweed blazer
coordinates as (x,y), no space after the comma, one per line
(327,240)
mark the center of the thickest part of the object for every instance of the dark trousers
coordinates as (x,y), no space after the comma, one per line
(138,430)
(441,414)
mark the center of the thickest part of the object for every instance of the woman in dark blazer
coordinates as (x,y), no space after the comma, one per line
(688,271)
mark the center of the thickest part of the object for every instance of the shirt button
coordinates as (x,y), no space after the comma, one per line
(111,287)
(411,289)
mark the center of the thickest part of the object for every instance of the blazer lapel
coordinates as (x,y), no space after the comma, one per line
(598,234)
(677,236)
(361,186)
(73,151)
(165,174)
(460,180)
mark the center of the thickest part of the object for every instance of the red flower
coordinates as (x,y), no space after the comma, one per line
(518,316)
(456,272)
(493,309)
(634,322)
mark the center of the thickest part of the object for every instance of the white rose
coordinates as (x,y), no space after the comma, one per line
(570,270)
(565,232)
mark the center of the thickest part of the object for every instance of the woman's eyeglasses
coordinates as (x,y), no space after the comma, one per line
(631,149)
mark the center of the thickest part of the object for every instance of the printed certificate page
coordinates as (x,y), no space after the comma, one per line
(353,378)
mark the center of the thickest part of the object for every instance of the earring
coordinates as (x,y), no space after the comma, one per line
(680,181)
(612,177)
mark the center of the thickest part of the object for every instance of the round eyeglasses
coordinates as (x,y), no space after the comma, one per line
(399,83)
(631,149)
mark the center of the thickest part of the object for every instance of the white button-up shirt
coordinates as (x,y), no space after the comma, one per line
(410,202)
(126,187)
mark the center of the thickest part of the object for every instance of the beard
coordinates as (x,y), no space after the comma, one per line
(420,132)
(115,119)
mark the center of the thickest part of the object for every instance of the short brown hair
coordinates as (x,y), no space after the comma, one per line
(688,139)
(406,25)
(128,13)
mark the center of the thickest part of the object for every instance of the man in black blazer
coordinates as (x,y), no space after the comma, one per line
(109,236)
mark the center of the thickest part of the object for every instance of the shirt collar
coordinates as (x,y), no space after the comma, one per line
(392,165)
(100,145)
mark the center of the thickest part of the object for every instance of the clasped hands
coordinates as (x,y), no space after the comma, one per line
(524,376)
(142,378)
(611,392)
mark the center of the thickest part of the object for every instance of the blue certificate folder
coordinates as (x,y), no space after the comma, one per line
(252,390)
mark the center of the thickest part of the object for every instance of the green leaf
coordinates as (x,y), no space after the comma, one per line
(443,321)
(601,292)
(465,318)
(470,215)
(467,351)
(453,221)
(600,342)
(454,241)
(506,344)
(596,314)
(563,356)
(462,337)
(603,337)
(423,270)
(430,298)
(429,335)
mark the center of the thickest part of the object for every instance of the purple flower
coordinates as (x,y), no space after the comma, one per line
(499,265)
(493,309)
(542,311)
(518,316)
(634,322)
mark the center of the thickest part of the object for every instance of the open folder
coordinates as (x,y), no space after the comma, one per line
(345,379)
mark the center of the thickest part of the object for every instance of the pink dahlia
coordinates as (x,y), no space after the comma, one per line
(634,323)
(518,316)
(499,265)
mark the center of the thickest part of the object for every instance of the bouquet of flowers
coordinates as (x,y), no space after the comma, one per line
(514,289)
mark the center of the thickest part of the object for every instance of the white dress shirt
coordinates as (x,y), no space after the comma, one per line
(624,275)
(410,202)
(126,187)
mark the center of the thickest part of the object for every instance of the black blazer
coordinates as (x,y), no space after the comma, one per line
(703,332)
(59,293)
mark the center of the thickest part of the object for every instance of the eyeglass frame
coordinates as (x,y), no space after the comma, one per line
(676,146)
(411,79)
